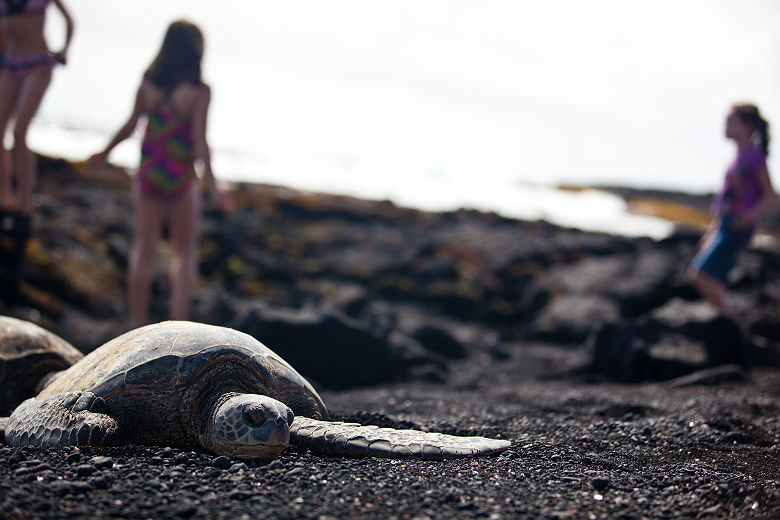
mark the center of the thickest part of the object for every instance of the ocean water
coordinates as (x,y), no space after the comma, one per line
(440,104)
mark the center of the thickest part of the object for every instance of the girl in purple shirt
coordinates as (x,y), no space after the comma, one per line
(746,195)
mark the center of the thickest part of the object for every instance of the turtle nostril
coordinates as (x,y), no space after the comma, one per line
(254,418)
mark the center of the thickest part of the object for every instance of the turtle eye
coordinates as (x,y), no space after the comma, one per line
(290,417)
(254,418)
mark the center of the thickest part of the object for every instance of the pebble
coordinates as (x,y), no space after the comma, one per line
(32,469)
(211,473)
(238,494)
(46,476)
(185,510)
(293,473)
(599,483)
(31,462)
(102,462)
(239,466)
(222,462)
(65,487)
(100,482)
(154,484)
(181,458)
(85,470)
(73,457)
(16,456)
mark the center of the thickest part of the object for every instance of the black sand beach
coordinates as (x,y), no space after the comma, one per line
(623,395)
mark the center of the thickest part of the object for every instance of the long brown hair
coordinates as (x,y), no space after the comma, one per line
(750,115)
(179,58)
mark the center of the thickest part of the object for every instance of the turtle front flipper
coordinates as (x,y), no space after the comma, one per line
(68,419)
(355,440)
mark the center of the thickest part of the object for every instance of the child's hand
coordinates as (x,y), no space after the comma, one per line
(98,160)
(743,223)
(221,199)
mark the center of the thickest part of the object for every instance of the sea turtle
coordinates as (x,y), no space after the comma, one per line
(202,386)
(29,355)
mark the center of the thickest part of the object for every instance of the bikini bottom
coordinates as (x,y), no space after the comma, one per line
(21,65)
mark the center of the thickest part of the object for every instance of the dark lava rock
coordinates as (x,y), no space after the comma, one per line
(440,341)
(705,446)
(618,351)
(722,338)
(329,349)
(571,319)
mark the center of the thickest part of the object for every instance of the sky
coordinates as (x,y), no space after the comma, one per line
(630,92)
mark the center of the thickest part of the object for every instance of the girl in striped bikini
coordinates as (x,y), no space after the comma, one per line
(174,101)
(25,72)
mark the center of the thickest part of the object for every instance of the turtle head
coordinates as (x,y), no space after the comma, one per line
(250,426)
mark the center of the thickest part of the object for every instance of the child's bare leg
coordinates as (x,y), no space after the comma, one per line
(30,94)
(8,92)
(147,226)
(713,290)
(185,229)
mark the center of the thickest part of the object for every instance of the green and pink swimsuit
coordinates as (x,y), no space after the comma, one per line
(166,154)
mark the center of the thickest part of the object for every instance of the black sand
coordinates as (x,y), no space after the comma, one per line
(584,445)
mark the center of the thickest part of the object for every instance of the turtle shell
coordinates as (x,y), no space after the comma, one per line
(28,354)
(159,381)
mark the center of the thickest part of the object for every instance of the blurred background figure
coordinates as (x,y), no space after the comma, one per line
(746,196)
(27,64)
(174,101)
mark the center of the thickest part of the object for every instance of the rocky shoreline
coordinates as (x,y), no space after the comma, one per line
(623,394)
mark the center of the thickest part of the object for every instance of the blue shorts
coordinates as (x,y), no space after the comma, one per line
(719,255)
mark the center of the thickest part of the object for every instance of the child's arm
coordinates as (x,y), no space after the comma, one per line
(768,198)
(123,133)
(62,55)
(201,151)
(714,225)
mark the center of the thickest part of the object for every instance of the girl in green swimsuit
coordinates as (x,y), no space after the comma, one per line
(174,101)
